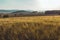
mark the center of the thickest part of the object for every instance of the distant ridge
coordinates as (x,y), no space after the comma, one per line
(7,11)
(10,11)
(21,11)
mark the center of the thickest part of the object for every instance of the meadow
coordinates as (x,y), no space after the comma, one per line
(30,28)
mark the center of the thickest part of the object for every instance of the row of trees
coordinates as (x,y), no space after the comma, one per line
(19,14)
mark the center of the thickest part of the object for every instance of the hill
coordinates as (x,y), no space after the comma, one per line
(10,11)
(30,28)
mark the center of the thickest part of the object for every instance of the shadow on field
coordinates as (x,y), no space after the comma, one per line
(29,31)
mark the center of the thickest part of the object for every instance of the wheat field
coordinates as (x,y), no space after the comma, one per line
(30,28)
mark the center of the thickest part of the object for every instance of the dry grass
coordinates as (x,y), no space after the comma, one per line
(30,28)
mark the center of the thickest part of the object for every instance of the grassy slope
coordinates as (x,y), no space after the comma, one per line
(30,28)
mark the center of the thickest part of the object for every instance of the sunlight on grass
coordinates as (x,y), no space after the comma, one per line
(30,28)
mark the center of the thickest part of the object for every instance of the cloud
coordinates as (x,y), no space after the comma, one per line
(19,4)
(49,4)
(30,4)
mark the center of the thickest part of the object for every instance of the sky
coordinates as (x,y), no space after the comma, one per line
(30,4)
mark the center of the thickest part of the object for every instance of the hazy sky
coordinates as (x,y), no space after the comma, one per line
(30,4)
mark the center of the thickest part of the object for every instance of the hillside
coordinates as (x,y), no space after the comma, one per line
(30,28)
(10,11)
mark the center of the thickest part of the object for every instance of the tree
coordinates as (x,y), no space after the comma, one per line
(5,16)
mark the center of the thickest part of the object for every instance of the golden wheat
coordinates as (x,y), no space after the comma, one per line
(30,28)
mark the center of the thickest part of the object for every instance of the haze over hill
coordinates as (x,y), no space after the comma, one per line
(10,11)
